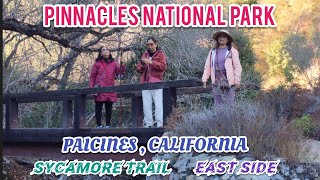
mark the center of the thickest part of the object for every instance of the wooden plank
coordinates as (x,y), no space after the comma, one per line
(169,101)
(56,134)
(67,114)
(136,111)
(194,90)
(53,151)
(12,119)
(208,89)
(79,111)
(61,98)
(43,99)
(5,97)
(7,113)
(121,88)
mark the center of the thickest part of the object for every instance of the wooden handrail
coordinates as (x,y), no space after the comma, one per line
(120,88)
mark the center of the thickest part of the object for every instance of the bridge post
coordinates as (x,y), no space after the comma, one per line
(169,101)
(136,110)
(79,111)
(67,115)
(11,113)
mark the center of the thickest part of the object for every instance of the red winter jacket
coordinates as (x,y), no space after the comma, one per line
(109,70)
(152,72)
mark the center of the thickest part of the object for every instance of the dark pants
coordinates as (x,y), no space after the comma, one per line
(108,106)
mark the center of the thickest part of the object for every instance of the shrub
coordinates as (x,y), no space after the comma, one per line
(304,124)
(265,131)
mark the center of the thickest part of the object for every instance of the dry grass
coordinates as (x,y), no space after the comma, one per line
(267,133)
(175,117)
(267,121)
(288,143)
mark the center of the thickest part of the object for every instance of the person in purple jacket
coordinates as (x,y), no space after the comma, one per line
(103,73)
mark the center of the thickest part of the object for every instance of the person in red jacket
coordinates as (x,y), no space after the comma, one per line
(103,73)
(152,67)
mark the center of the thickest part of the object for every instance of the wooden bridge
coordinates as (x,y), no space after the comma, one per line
(39,142)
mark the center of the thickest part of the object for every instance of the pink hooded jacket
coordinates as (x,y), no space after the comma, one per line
(103,73)
(232,65)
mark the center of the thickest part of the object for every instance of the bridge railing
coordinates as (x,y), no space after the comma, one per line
(74,101)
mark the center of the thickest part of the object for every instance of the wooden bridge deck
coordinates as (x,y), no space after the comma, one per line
(55,135)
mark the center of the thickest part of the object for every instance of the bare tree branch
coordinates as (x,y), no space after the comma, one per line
(67,70)
(42,75)
(32,30)
(44,46)
(55,34)
(13,52)
(8,39)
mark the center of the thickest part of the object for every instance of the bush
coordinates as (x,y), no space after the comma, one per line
(304,124)
(266,133)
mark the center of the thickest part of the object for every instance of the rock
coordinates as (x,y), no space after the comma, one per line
(182,162)
(216,177)
(154,177)
(248,158)
(193,160)
(237,169)
(6,160)
(174,176)
(254,177)
(194,177)
(169,134)
(226,158)
(63,177)
(300,169)
(226,176)
(313,173)
(309,152)
(24,162)
(243,155)
(87,177)
(172,157)
(277,177)
(285,170)
(212,157)
(158,157)
(293,174)
(182,176)
(274,158)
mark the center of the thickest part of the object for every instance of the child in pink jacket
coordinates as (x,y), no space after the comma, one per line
(223,64)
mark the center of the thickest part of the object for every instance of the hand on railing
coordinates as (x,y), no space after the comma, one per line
(204,84)
(237,87)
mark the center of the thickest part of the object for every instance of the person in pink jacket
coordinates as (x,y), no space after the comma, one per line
(224,68)
(103,74)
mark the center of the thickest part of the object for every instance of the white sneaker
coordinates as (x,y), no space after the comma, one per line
(99,127)
(107,126)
